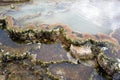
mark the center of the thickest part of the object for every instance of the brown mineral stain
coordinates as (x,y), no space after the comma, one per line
(105,37)
(88,36)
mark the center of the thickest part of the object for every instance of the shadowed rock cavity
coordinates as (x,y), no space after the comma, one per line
(80,47)
(10,23)
(2,23)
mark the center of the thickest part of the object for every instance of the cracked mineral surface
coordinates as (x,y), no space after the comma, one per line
(30,49)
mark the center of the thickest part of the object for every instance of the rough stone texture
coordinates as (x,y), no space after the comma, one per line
(7,2)
(51,52)
(2,77)
(46,53)
(82,52)
(116,76)
(13,0)
(66,71)
(110,65)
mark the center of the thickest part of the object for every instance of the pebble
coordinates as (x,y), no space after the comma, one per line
(12,6)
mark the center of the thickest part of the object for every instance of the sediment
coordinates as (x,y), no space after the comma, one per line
(7,2)
(80,48)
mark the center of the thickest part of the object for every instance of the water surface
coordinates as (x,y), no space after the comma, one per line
(80,15)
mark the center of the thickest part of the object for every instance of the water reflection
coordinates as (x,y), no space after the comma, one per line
(66,12)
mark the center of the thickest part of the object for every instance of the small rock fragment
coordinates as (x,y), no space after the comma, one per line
(12,6)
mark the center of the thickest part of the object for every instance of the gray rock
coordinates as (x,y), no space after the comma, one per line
(116,76)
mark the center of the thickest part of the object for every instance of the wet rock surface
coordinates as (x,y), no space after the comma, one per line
(55,52)
(67,71)
(48,49)
(7,2)
(52,52)
(83,52)
(116,76)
